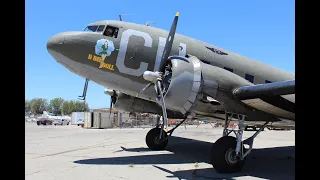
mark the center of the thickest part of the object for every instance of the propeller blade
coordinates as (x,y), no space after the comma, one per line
(114,97)
(85,88)
(169,42)
(110,107)
(146,87)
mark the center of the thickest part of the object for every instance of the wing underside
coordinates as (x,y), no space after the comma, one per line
(276,98)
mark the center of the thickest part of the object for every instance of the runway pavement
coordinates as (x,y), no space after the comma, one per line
(73,153)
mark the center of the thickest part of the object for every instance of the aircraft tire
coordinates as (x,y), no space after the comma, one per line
(221,156)
(152,142)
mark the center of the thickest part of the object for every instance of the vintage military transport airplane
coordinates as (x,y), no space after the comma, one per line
(190,79)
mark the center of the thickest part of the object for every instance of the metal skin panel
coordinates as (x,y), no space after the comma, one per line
(196,86)
(182,110)
(185,84)
(266,107)
(187,105)
(192,97)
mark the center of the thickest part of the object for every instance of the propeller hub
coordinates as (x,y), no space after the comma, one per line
(151,76)
(108,91)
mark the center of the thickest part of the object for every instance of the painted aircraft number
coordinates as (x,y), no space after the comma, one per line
(148,43)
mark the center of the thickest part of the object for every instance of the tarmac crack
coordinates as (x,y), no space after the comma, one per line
(35,172)
(82,148)
(69,168)
(72,150)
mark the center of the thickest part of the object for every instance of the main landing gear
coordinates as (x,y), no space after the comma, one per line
(157,138)
(228,153)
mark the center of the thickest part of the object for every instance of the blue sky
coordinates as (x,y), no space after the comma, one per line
(261,30)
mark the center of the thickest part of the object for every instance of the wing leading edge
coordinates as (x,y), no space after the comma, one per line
(276,98)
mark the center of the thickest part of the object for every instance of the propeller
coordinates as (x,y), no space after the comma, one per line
(113,95)
(169,42)
(113,101)
(155,78)
(151,76)
(83,97)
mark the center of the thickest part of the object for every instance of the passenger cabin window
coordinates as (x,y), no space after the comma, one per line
(111,32)
(228,69)
(268,81)
(249,78)
(101,28)
(91,28)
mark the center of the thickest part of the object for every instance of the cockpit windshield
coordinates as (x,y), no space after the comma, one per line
(100,28)
(94,28)
(91,28)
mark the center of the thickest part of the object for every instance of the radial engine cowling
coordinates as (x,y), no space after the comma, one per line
(185,88)
(202,88)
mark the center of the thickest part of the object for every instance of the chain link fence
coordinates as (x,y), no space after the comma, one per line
(146,122)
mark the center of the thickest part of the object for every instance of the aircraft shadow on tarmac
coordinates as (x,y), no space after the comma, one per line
(267,163)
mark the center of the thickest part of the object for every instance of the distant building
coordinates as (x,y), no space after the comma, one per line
(113,110)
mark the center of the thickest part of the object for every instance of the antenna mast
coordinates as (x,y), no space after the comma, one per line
(150,22)
(120,15)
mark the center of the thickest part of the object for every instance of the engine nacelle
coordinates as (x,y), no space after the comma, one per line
(196,86)
(131,104)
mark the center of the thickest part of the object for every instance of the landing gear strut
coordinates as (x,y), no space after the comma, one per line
(155,141)
(157,138)
(228,153)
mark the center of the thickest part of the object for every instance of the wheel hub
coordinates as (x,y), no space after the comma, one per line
(231,156)
(157,139)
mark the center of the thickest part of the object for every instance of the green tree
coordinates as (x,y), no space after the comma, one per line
(67,107)
(49,108)
(74,106)
(80,106)
(27,107)
(55,106)
(38,105)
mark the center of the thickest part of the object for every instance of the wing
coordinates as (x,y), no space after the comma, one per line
(276,98)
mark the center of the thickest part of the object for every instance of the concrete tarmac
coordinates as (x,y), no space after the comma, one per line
(73,153)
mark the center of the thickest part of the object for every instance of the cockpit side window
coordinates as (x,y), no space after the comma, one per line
(101,28)
(91,28)
(111,31)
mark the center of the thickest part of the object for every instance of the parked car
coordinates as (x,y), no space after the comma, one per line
(61,122)
(44,121)
(80,122)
